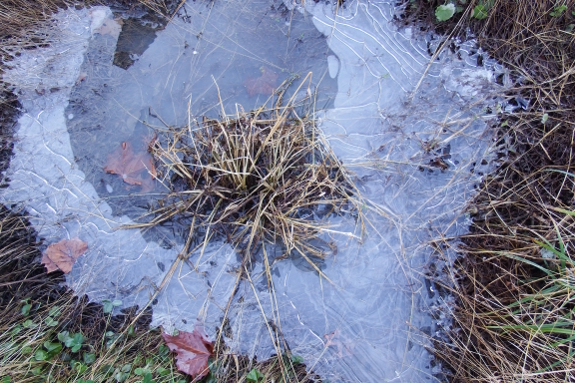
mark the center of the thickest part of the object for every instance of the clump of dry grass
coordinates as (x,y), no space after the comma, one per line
(264,176)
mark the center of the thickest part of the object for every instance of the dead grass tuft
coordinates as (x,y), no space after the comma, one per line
(265,176)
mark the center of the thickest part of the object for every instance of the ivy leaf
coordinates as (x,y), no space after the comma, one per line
(445,12)
(192,351)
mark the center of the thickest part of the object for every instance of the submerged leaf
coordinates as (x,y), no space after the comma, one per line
(265,84)
(63,255)
(134,168)
(193,351)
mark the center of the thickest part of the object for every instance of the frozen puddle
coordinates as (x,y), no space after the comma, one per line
(416,155)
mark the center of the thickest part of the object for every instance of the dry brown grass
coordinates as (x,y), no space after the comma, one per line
(514,318)
(261,177)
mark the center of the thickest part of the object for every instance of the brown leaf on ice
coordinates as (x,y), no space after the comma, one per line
(193,350)
(265,84)
(134,168)
(63,255)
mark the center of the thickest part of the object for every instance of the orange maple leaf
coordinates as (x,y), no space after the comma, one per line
(62,255)
(192,349)
(134,168)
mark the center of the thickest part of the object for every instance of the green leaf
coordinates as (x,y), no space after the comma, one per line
(254,376)
(6,379)
(142,371)
(29,324)
(148,378)
(162,371)
(443,13)
(62,336)
(558,11)
(121,376)
(40,355)
(16,330)
(89,358)
(74,342)
(296,359)
(544,118)
(26,309)
(37,370)
(80,368)
(50,322)
(53,347)
(479,12)
(108,306)
(26,350)
(54,311)
(127,368)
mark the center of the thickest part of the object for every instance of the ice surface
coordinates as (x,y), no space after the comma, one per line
(416,144)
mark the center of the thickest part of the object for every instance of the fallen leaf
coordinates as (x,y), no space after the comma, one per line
(265,84)
(62,255)
(134,168)
(193,350)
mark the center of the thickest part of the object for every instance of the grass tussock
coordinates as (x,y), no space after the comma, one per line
(514,317)
(261,177)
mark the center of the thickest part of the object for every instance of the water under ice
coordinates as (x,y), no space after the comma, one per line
(417,148)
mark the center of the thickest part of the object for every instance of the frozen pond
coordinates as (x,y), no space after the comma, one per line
(415,138)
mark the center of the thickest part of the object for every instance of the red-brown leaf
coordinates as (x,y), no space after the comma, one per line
(62,255)
(265,84)
(193,350)
(134,168)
